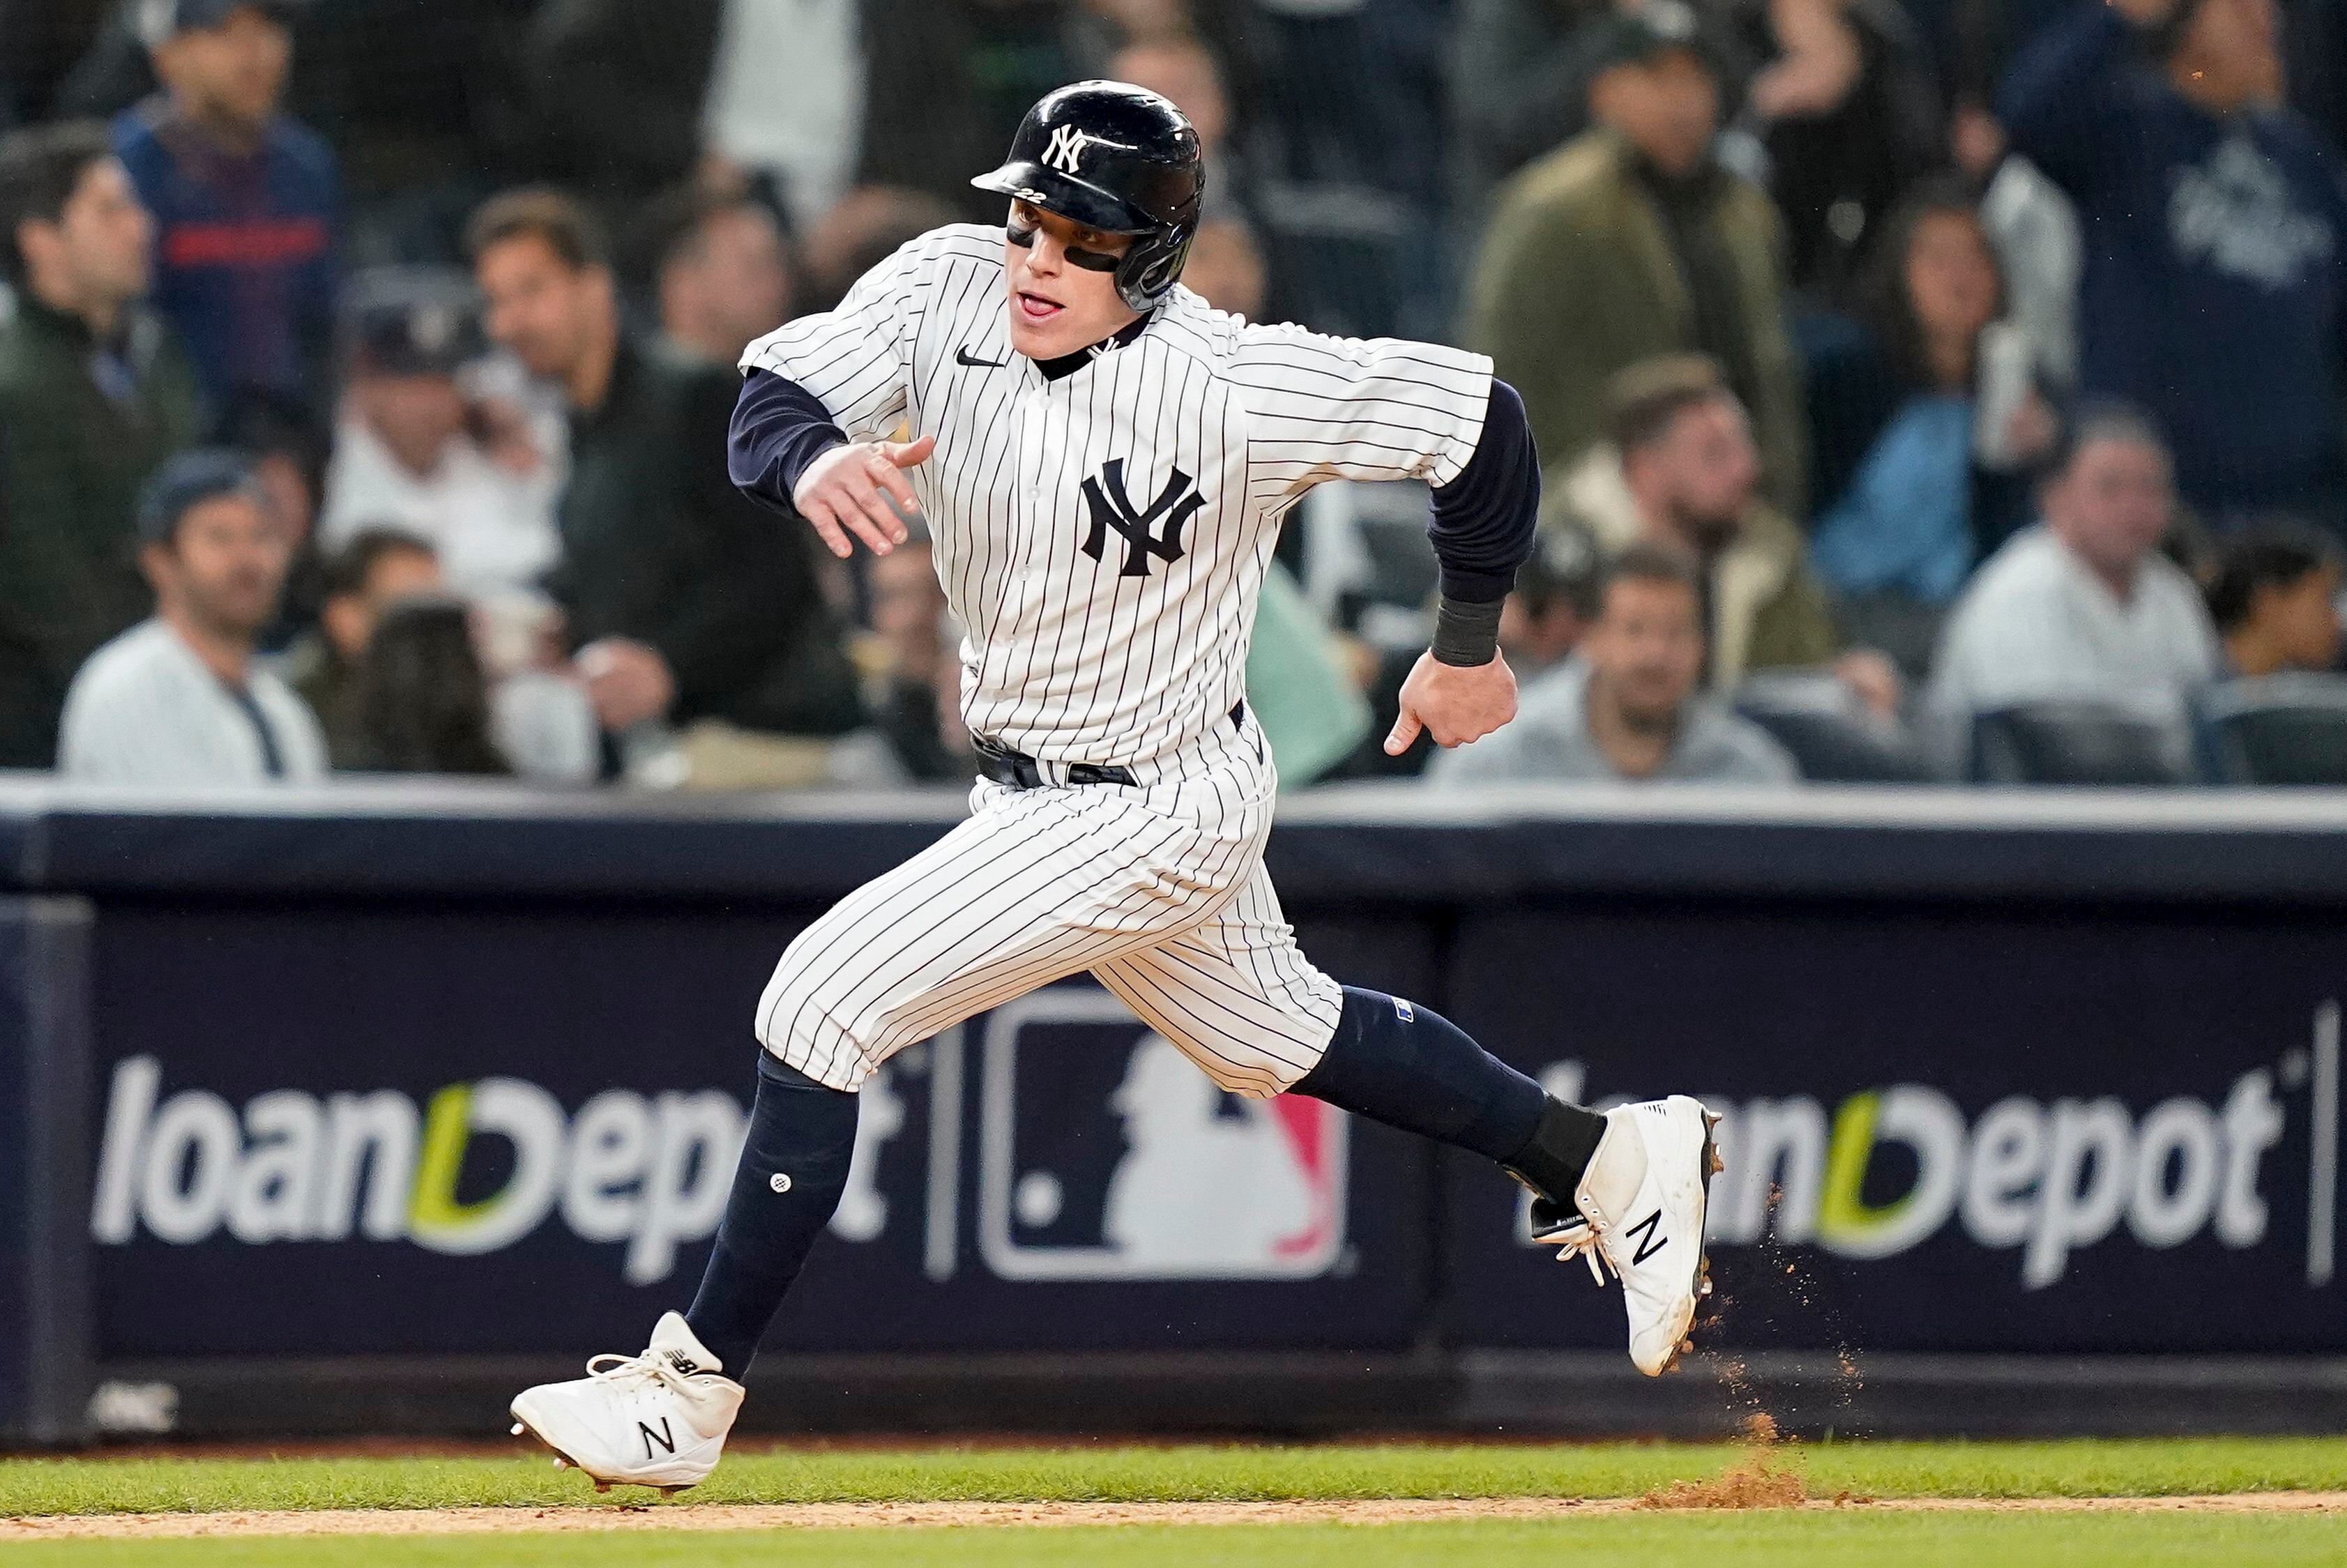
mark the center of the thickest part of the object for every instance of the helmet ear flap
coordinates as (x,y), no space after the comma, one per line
(1153,266)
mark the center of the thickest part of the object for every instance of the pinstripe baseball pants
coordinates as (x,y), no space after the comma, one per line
(1157,889)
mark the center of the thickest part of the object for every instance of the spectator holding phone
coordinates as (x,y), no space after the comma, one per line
(418,448)
(1923,428)
(2215,223)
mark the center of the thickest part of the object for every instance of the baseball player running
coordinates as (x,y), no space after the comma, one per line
(1103,462)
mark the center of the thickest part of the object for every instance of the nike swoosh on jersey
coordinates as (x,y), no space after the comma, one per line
(962,356)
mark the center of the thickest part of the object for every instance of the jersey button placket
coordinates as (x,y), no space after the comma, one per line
(1035,433)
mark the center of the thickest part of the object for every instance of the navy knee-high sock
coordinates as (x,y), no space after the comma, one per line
(1409,1067)
(794,1167)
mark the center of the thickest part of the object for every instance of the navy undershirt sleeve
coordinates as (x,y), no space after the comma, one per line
(1484,520)
(779,428)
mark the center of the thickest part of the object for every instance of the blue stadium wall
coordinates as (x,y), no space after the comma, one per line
(345,1111)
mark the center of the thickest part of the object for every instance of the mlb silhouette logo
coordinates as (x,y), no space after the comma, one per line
(1106,1153)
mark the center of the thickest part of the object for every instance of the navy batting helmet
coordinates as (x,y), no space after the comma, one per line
(1118,158)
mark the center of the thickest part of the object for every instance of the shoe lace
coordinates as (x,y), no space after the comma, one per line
(638,1370)
(1580,1241)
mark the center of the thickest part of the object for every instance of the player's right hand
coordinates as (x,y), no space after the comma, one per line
(845,492)
(1455,703)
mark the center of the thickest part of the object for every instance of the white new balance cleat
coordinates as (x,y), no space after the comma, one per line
(1642,1204)
(655,1419)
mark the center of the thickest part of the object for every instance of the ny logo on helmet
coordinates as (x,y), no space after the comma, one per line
(1067,149)
(1112,508)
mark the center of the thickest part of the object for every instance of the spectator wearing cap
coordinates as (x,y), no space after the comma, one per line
(375,569)
(245,201)
(417,449)
(2214,293)
(2083,607)
(720,270)
(1625,708)
(180,701)
(2275,600)
(1549,611)
(1632,241)
(684,600)
(93,394)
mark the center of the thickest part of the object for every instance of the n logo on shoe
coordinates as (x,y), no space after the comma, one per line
(1654,1240)
(661,1437)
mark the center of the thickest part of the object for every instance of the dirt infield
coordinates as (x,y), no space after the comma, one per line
(873,1515)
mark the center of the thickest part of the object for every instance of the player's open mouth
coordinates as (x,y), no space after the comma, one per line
(1035,307)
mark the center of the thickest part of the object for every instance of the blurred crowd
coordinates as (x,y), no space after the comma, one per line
(1925,389)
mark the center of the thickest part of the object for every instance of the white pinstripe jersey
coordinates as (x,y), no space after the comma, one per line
(1103,537)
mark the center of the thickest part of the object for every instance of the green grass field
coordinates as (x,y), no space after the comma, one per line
(1815,1539)
(1714,1541)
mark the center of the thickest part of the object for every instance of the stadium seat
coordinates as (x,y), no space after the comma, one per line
(1834,737)
(2282,730)
(2075,742)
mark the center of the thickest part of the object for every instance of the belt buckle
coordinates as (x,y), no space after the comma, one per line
(998,762)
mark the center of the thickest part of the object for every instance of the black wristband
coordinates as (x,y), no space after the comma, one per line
(1466,633)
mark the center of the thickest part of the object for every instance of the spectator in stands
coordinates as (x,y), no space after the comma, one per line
(93,394)
(719,268)
(1624,707)
(2084,607)
(867,227)
(1342,110)
(2275,601)
(1225,268)
(1303,684)
(948,81)
(2216,229)
(1180,68)
(422,701)
(1631,241)
(684,599)
(245,202)
(180,701)
(806,141)
(375,569)
(1850,118)
(917,709)
(1914,489)
(417,449)
(1554,600)
(42,42)
(427,109)
(288,452)
(1681,470)
(1519,74)
(700,89)
(619,93)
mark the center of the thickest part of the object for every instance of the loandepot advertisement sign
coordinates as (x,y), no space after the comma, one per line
(2034,1179)
(1206,1186)
(650,1171)
(1102,1154)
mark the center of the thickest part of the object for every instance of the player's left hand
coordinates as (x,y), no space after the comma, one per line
(1455,703)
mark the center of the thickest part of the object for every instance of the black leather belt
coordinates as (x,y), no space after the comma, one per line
(1017,770)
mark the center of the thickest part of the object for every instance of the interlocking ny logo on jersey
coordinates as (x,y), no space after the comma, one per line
(1067,149)
(1112,508)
